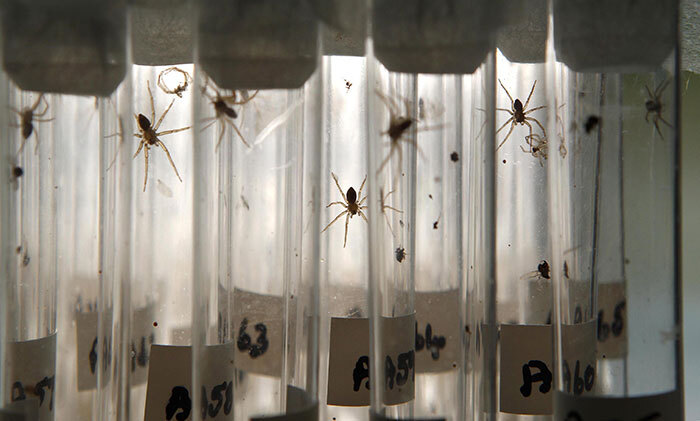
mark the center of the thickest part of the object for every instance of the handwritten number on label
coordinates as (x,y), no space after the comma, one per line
(394,374)
(544,375)
(575,416)
(244,342)
(360,372)
(431,343)
(617,325)
(405,363)
(179,400)
(93,356)
(18,391)
(580,383)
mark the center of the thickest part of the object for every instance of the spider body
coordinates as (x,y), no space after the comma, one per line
(223,111)
(149,136)
(543,269)
(351,205)
(538,147)
(519,114)
(28,116)
(398,127)
(655,107)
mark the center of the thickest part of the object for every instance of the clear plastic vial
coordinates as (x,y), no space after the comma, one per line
(257,162)
(614,213)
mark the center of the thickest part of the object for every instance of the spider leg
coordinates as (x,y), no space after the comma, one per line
(362,186)
(664,121)
(512,126)
(661,88)
(336,218)
(531,136)
(222,129)
(384,162)
(208,125)
(415,145)
(335,177)
(42,98)
(656,124)
(534,109)
(530,96)
(237,132)
(651,96)
(143,142)
(36,103)
(43,120)
(145,170)
(507,93)
(505,109)
(162,116)
(347,221)
(386,218)
(153,107)
(392,208)
(362,201)
(646,117)
(172,131)
(244,101)
(510,120)
(36,142)
(538,123)
(362,214)
(162,145)
(393,108)
(337,203)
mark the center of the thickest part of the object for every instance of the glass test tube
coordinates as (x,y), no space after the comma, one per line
(480,204)
(523,258)
(344,274)
(257,160)
(615,215)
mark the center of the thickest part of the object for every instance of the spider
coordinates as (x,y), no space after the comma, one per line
(398,125)
(224,111)
(655,106)
(519,114)
(149,135)
(542,271)
(180,88)
(351,205)
(538,147)
(385,206)
(28,116)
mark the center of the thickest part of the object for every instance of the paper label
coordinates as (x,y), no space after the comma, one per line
(169,392)
(348,362)
(662,407)
(30,373)
(142,337)
(88,351)
(258,332)
(438,341)
(526,370)
(612,319)
(579,358)
(380,417)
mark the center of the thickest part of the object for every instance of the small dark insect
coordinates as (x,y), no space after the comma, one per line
(504,161)
(155,324)
(224,112)
(454,156)
(655,106)
(430,196)
(566,269)
(180,88)
(591,123)
(245,203)
(400,253)
(435,224)
(28,116)
(348,84)
(351,205)
(17,172)
(543,269)
(519,114)
(149,135)
(25,259)
(18,249)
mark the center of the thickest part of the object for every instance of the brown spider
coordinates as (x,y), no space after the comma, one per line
(519,114)
(398,125)
(149,135)
(351,205)
(224,111)
(180,88)
(538,147)
(28,116)
(655,106)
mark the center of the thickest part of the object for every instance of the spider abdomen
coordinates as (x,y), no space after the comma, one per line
(399,127)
